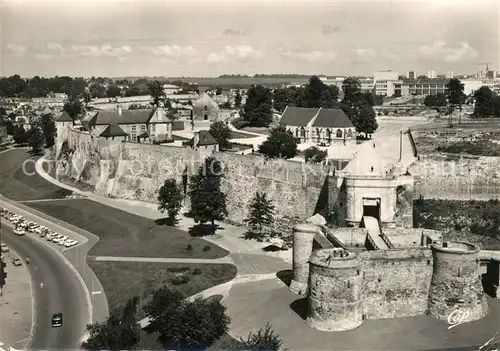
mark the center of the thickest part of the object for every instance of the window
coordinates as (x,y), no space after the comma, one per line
(134,137)
(349,133)
(339,133)
(134,128)
(206,108)
(153,127)
(143,127)
(205,117)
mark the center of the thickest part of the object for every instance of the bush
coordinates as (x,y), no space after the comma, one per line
(264,339)
(207,248)
(196,271)
(189,247)
(180,279)
(239,123)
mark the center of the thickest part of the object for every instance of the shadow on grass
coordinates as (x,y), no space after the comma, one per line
(300,307)
(285,276)
(200,230)
(271,248)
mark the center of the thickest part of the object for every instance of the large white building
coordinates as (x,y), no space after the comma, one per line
(472,85)
(432,74)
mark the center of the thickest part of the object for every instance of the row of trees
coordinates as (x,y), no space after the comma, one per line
(15,86)
(179,324)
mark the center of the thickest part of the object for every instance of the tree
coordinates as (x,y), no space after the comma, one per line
(258,107)
(20,135)
(221,132)
(156,91)
(170,199)
(208,202)
(237,100)
(3,111)
(113,91)
(183,324)
(455,95)
(218,91)
(74,108)
(358,106)
(484,100)
(367,122)
(261,213)
(48,129)
(118,332)
(315,155)
(264,339)
(280,143)
(9,126)
(318,94)
(3,134)
(36,140)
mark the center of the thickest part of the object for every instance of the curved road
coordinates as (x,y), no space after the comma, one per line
(56,288)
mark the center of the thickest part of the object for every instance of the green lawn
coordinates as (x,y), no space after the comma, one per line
(124,234)
(240,135)
(124,280)
(20,182)
(258,130)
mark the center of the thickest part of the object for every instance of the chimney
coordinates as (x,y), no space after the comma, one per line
(196,139)
(119,107)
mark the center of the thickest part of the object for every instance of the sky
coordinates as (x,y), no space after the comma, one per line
(117,38)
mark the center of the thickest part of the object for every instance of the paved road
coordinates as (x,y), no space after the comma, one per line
(56,289)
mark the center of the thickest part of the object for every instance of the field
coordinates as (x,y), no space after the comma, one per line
(19,180)
(474,221)
(470,137)
(124,280)
(124,234)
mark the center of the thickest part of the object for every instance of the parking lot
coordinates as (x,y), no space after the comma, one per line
(26,227)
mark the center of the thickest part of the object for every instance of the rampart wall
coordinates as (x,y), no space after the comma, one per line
(457,178)
(136,171)
(396,282)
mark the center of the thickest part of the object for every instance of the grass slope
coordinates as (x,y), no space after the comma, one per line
(124,234)
(20,182)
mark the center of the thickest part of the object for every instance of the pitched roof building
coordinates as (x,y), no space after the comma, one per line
(113,130)
(321,126)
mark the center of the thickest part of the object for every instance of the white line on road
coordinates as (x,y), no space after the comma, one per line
(96,292)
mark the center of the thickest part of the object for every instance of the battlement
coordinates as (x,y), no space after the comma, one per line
(457,247)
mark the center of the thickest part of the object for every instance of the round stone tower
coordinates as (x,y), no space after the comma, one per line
(456,287)
(303,239)
(335,287)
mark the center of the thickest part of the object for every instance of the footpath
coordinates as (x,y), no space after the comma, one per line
(16,306)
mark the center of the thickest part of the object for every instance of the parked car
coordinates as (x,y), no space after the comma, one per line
(4,248)
(60,239)
(16,261)
(71,243)
(19,232)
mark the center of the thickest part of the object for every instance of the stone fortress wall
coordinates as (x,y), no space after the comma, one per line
(457,178)
(346,286)
(136,171)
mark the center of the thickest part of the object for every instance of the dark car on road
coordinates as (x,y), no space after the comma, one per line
(57,320)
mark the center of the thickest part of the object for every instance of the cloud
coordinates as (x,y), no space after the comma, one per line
(17,50)
(172,51)
(363,55)
(238,52)
(48,51)
(105,50)
(328,29)
(234,32)
(439,51)
(311,56)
